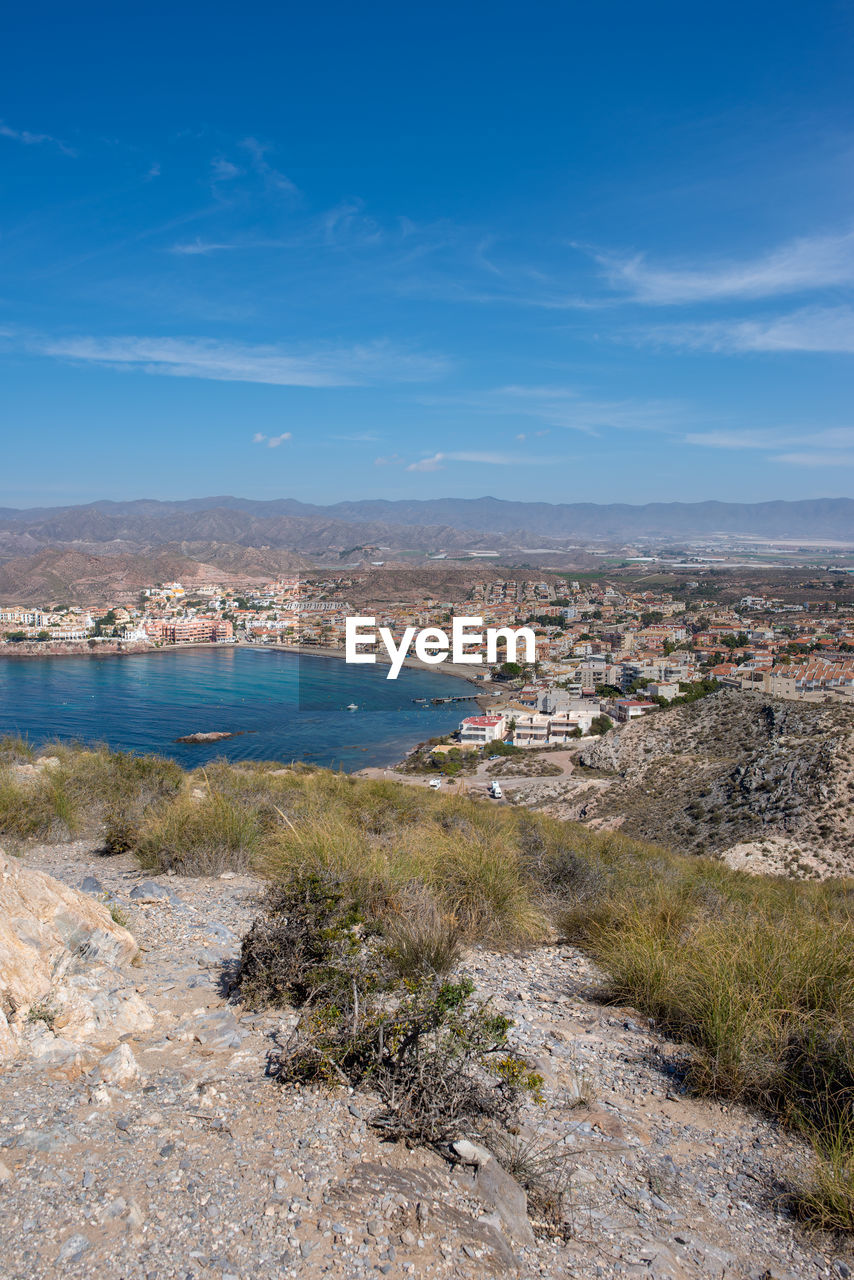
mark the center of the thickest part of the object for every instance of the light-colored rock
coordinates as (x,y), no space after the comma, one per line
(8,1043)
(471,1152)
(151,891)
(497,1190)
(61,949)
(119,1067)
(99,1007)
(46,926)
(214,1028)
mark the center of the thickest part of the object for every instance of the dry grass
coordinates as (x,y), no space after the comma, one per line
(203,837)
(89,790)
(38,808)
(15,750)
(756,975)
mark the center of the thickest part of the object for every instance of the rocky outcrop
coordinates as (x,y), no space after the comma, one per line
(735,768)
(64,999)
(215,735)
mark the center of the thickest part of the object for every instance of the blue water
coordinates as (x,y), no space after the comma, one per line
(287,706)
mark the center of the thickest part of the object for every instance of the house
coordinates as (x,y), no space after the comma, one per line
(630,709)
(482,729)
(664,689)
(531,730)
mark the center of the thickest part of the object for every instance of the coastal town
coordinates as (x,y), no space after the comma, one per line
(606,650)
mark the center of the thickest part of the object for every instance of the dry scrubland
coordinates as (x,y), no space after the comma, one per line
(754,976)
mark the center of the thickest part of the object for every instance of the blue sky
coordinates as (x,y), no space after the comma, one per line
(556,250)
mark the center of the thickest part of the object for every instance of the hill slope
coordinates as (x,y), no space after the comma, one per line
(67,576)
(736,770)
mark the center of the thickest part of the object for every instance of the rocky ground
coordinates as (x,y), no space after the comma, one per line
(177,1157)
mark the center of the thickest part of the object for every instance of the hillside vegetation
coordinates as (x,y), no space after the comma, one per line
(753,976)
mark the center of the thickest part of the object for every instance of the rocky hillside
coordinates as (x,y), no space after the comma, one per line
(768,783)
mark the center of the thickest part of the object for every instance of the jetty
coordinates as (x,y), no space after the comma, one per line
(465,697)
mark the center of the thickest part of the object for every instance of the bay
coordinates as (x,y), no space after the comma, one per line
(285,706)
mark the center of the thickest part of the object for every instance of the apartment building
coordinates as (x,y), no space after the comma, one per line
(479,730)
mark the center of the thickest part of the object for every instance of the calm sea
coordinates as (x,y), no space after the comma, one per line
(286,706)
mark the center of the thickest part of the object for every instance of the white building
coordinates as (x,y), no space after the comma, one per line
(479,730)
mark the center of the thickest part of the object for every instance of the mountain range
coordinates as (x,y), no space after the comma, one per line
(287,521)
(113,548)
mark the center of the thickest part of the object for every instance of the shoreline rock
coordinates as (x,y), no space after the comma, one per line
(216,735)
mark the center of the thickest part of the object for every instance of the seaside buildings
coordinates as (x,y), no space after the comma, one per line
(597,641)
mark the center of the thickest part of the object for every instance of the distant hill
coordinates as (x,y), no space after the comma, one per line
(286,522)
(65,576)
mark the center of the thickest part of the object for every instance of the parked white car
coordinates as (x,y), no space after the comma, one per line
(495,791)
(434,784)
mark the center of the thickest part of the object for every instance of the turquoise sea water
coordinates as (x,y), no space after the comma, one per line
(287,706)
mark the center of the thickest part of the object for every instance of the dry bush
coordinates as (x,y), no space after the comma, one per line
(439,1060)
(544,1166)
(307,941)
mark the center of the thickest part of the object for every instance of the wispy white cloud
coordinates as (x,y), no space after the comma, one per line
(358,365)
(568,407)
(817,459)
(492,459)
(771,438)
(34,139)
(802,265)
(201,248)
(435,463)
(273,178)
(272,442)
(223,170)
(348,224)
(829,447)
(438,461)
(810,329)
